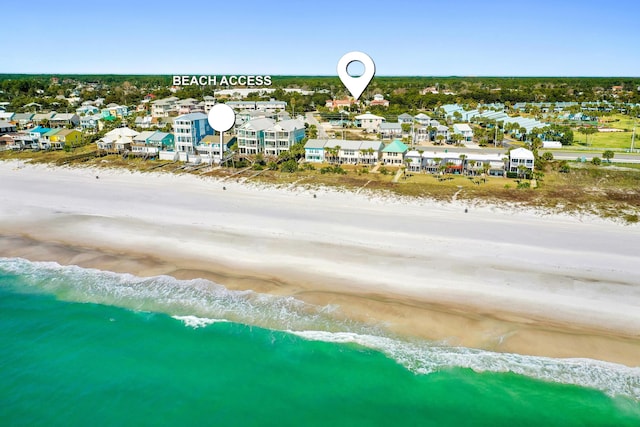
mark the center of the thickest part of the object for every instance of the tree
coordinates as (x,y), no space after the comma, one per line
(463,157)
(608,155)
(440,138)
(548,156)
(596,161)
(289,166)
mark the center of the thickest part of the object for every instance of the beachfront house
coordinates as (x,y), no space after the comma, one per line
(520,159)
(369,122)
(393,153)
(416,161)
(189,129)
(209,148)
(118,140)
(251,135)
(314,150)
(281,136)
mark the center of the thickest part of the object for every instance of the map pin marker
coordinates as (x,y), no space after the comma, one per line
(356,85)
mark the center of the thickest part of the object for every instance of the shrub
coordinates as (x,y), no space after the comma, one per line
(524,184)
(512,174)
(289,166)
(272,166)
(384,171)
(548,156)
(596,161)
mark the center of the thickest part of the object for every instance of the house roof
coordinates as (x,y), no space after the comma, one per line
(395,147)
(40,130)
(52,132)
(143,136)
(289,125)
(159,136)
(258,124)
(22,116)
(521,153)
(422,116)
(462,127)
(66,132)
(391,126)
(368,116)
(121,132)
(315,143)
(405,116)
(192,116)
(63,116)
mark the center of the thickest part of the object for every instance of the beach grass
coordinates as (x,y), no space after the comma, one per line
(610,191)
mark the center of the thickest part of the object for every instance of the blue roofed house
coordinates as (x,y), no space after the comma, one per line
(393,153)
(152,142)
(189,130)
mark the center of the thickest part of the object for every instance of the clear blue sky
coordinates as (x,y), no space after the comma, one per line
(512,38)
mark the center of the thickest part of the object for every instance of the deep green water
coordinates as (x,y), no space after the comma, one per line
(82,347)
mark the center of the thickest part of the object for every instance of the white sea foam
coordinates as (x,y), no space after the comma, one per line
(198,303)
(424,358)
(198,322)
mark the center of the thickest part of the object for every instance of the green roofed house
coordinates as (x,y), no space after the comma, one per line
(393,154)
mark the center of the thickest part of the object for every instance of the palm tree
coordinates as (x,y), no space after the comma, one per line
(463,157)
(440,138)
(472,163)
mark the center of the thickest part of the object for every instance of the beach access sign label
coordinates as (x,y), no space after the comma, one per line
(190,80)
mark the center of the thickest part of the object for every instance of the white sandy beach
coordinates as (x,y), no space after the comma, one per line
(497,278)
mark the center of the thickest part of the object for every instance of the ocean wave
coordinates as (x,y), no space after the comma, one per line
(425,358)
(198,322)
(199,303)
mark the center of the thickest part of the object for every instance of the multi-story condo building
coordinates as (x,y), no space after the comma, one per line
(282,136)
(189,129)
(251,135)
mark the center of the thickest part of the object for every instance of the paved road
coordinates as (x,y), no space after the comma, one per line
(588,155)
(322,134)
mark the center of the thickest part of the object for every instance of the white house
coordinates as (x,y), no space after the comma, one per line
(393,154)
(464,130)
(521,157)
(422,119)
(390,130)
(281,136)
(251,135)
(162,107)
(119,139)
(369,122)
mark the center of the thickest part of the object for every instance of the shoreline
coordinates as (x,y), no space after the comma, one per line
(474,296)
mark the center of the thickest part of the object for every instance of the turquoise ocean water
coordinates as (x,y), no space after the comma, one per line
(83,347)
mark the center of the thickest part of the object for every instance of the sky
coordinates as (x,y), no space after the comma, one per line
(416,38)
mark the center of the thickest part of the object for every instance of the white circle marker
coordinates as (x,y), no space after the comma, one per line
(222,117)
(356,85)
